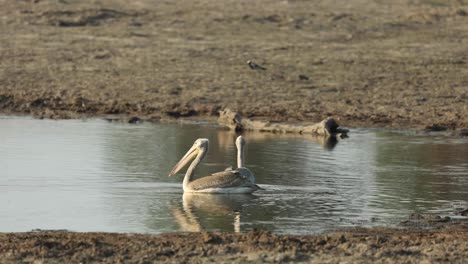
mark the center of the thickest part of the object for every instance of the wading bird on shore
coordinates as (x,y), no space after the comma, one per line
(228,181)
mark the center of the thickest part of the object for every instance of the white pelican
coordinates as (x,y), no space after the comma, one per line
(240,143)
(228,181)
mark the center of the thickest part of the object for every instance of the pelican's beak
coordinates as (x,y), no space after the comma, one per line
(193,151)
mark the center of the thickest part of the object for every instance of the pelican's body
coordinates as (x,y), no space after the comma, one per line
(228,181)
(240,143)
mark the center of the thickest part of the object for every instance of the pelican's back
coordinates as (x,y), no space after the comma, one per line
(228,181)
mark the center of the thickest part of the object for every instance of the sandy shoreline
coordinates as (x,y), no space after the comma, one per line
(444,243)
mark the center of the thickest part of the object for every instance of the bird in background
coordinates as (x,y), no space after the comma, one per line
(255,66)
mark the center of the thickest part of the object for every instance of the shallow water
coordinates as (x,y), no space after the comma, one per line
(99,176)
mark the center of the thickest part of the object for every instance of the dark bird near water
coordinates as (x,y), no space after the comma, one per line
(255,66)
(464,212)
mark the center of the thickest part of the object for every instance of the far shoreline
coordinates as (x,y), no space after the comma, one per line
(212,121)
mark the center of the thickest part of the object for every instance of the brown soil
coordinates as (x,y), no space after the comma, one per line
(445,243)
(399,63)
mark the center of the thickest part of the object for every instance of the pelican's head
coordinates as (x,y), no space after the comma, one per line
(240,141)
(201,143)
(198,146)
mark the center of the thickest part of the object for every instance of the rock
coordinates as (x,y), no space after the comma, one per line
(135,120)
(463,133)
(435,128)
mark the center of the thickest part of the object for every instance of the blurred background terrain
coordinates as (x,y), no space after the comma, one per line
(401,63)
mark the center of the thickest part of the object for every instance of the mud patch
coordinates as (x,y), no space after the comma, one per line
(93,17)
(355,245)
(84,18)
(363,63)
(5,101)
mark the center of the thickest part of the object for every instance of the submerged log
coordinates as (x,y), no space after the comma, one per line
(327,127)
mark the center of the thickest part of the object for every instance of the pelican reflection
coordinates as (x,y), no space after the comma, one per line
(211,212)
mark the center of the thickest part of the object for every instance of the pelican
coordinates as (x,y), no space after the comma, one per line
(228,181)
(240,143)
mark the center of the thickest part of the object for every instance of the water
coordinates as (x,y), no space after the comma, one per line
(99,176)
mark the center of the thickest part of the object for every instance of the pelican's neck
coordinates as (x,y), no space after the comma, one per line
(191,169)
(240,156)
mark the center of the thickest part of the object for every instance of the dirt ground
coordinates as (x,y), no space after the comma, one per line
(447,242)
(394,64)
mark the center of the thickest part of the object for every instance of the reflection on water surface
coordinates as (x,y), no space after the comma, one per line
(98,176)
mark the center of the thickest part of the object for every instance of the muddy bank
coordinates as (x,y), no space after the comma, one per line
(447,242)
(366,63)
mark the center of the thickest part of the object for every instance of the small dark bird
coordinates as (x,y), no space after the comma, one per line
(464,212)
(255,66)
(303,77)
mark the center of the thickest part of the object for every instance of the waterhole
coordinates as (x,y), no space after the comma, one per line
(94,175)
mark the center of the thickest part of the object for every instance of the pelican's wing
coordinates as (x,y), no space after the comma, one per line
(223,179)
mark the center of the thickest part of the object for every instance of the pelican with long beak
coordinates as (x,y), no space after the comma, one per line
(240,144)
(228,181)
